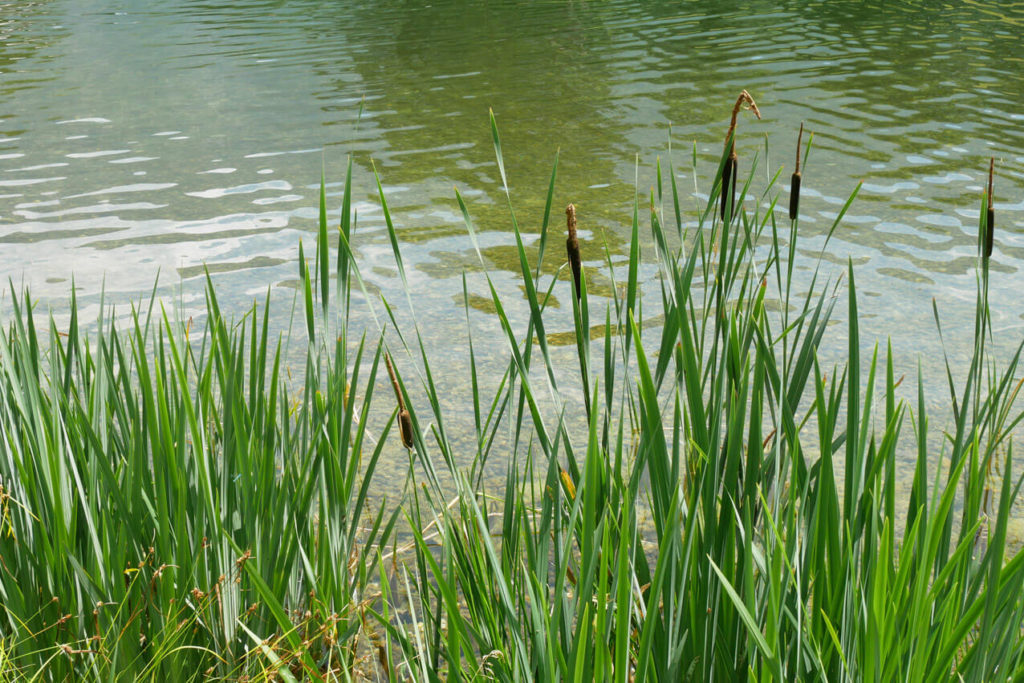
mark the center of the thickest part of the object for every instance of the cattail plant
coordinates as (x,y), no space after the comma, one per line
(731,163)
(404,420)
(580,308)
(572,247)
(794,186)
(700,514)
(990,218)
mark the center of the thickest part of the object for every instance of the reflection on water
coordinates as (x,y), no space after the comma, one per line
(138,137)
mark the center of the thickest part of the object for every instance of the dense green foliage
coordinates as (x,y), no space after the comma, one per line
(175,506)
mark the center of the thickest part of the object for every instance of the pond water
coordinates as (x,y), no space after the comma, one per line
(139,137)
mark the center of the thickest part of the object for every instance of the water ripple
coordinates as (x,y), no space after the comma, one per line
(233,107)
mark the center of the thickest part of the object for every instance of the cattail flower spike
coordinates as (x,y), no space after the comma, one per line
(572,248)
(731,163)
(794,187)
(404,419)
(990,218)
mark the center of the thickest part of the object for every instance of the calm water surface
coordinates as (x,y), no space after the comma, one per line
(139,137)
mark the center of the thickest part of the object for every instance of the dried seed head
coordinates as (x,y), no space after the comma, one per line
(744,98)
(572,247)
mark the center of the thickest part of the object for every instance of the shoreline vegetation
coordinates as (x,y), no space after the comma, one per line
(174,506)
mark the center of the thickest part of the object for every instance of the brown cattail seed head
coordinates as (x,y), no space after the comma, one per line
(794,195)
(794,186)
(729,172)
(405,427)
(729,182)
(572,247)
(404,419)
(990,218)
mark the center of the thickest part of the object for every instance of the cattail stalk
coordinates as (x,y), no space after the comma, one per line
(404,419)
(990,218)
(729,173)
(572,248)
(794,186)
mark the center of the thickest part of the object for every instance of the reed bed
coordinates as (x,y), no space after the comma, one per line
(174,506)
